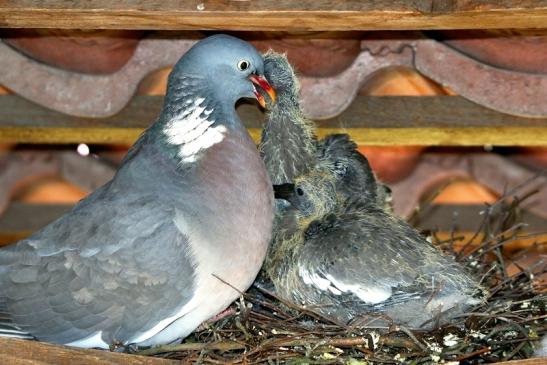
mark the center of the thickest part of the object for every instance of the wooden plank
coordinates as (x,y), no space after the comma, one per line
(21,219)
(279,15)
(535,361)
(370,120)
(19,352)
(463,217)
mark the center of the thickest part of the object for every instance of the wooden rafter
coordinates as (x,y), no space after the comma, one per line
(370,120)
(274,14)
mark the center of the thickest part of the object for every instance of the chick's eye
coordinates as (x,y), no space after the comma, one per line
(340,169)
(243,65)
(299,191)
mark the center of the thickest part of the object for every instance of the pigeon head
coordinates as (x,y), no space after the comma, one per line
(230,67)
(279,72)
(312,195)
(350,170)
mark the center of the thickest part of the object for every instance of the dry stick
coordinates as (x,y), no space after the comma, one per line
(515,351)
(499,236)
(300,309)
(487,273)
(516,340)
(493,291)
(427,201)
(272,343)
(222,346)
(412,337)
(461,254)
(474,353)
(490,209)
(336,342)
(514,190)
(517,238)
(398,342)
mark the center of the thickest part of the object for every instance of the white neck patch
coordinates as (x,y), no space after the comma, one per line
(192,131)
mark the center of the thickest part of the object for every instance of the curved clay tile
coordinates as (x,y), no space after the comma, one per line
(488,169)
(517,50)
(533,157)
(16,169)
(392,163)
(511,92)
(95,51)
(50,191)
(19,168)
(86,95)
(324,55)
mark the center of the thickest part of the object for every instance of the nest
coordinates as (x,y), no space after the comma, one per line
(261,328)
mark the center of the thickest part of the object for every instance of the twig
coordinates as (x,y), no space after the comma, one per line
(412,337)
(474,353)
(222,346)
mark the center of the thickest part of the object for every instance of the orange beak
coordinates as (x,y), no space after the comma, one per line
(264,84)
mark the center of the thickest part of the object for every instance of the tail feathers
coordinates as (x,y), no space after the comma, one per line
(8,328)
(16,334)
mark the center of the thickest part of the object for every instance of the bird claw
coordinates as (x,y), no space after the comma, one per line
(119,347)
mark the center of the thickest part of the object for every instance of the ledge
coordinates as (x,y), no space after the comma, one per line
(273,15)
(370,120)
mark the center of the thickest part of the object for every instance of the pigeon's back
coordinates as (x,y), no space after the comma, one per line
(90,266)
(364,260)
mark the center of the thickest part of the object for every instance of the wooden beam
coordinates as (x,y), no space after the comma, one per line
(534,361)
(22,219)
(276,15)
(19,352)
(370,120)
(463,217)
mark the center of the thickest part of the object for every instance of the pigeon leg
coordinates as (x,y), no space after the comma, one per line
(225,313)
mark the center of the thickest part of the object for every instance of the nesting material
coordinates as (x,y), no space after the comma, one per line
(509,325)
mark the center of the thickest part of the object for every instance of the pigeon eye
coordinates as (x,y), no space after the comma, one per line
(243,65)
(299,191)
(340,169)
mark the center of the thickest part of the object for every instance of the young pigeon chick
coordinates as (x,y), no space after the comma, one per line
(353,259)
(351,171)
(288,145)
(290,148)
(160,248)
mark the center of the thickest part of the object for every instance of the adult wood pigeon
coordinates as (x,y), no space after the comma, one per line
(164,245)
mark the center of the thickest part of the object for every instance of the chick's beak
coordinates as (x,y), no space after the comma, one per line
(264,84)
(284,191)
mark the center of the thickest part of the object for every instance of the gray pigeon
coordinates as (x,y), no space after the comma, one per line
(164,245)
(353,259)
